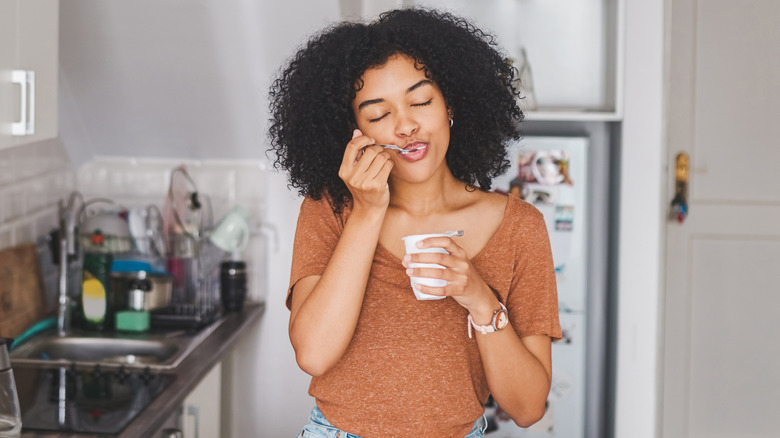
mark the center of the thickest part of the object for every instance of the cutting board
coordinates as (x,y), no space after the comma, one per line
(21,290)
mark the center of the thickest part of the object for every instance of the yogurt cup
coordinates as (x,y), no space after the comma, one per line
(410,243)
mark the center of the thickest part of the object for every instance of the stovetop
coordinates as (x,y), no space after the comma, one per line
(85,400)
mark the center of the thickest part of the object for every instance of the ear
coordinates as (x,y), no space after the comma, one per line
(450,112)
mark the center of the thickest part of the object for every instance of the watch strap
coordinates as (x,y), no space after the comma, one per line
(490,328)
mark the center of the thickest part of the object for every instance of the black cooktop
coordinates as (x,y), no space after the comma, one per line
(89,400)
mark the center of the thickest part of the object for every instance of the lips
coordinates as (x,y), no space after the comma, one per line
(418,154)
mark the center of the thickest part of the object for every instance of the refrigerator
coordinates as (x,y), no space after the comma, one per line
(550,173)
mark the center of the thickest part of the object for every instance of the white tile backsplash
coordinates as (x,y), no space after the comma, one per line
(33,178)
(5,238)
(139,182)
(15,206)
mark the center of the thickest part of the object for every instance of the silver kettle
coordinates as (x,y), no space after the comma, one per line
(10,414)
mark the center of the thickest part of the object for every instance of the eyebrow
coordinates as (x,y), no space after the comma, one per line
(408,90)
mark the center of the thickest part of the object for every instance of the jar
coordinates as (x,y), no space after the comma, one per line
(232,285)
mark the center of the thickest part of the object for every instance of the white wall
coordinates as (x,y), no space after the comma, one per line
(270,393)
(179,78)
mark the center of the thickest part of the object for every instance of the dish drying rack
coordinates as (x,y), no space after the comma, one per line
(190,257)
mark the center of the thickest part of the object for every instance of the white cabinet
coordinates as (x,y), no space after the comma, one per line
(39,52)
(7,64)
(29,31)
(202,410)
(574,48)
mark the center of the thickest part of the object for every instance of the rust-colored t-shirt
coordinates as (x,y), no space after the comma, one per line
(411,369)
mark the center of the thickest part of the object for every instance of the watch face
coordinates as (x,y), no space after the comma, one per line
(501,319)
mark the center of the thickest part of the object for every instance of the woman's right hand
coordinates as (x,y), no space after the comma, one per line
(365,170)
(325,308)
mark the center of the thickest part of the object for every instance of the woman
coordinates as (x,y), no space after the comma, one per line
(384,364)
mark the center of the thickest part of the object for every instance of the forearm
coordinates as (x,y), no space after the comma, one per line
(517,379)
(323,325)
(518,371)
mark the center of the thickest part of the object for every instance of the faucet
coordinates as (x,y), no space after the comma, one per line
(68,248)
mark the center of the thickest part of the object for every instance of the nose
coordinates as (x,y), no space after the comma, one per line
(406,125)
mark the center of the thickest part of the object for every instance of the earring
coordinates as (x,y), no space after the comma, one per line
(451,122)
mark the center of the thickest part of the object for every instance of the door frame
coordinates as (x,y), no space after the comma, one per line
(641,222)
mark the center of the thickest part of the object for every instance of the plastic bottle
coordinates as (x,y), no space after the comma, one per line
(96,299)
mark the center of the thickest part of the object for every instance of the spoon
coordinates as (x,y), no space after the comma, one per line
(454,233)
(396,148)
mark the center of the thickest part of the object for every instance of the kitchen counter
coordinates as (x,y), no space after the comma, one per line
(188,374)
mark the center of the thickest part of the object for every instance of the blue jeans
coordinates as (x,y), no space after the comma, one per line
(319,427)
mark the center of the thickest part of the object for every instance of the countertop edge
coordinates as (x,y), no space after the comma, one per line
(188,374)
(192,370)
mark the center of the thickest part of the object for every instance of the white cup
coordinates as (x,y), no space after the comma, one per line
(232,232)
(410,242)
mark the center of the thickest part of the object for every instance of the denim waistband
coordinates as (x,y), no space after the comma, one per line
(319,427)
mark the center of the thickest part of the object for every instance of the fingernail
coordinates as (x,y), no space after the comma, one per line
(356,133)
(409,271)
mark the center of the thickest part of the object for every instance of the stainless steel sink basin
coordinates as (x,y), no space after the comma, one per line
(92,349)
(162,351)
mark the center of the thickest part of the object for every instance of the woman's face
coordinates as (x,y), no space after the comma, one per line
(399,105)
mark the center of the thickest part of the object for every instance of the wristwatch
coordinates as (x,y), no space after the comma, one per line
(500,320)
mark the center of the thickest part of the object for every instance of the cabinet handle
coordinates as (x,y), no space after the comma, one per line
(26,124)
(193,410)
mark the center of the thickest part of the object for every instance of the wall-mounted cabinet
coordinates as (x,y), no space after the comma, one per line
(29,31)
(7,64)
(573,48)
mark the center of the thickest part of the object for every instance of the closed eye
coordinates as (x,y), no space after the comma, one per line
(378,118)
(426,103)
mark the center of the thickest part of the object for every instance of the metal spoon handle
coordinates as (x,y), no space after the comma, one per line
(396,148)
(388,146)
(454,233)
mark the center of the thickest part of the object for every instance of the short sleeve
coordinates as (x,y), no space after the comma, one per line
(533,294)
(316,236)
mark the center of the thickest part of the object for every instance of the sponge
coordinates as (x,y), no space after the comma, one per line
(132,321)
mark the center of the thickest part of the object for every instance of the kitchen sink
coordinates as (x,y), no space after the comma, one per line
(92,349)
(156,350)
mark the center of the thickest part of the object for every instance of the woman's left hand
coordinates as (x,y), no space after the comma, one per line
(464,284)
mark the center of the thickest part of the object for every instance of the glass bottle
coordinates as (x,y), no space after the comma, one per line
(10,414)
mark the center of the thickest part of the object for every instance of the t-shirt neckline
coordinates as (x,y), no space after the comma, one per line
(479,254)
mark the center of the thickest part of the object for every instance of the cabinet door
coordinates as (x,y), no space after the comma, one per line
(203,407)
(9,105)
(168,429)
(38,34)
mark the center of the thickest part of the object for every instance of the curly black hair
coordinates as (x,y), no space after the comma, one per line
(311,101)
